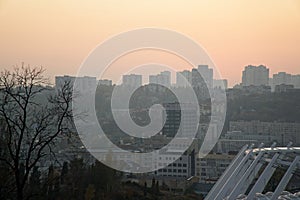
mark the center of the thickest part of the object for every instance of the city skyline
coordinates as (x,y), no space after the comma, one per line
(139,99)
(251,76)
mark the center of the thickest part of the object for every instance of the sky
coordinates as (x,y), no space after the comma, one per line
(60,34)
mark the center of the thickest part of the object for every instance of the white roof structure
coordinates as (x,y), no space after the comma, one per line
(239,177)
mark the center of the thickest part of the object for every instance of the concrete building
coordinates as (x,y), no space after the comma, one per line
(132,80)
(181,120)
(281,78)
(105,82)
(283,88)
(296,81)
(61,80)
(85,83)
(220,83)
(234,144)
(255,75)
(183,78)
(207,74)
(202,77)
(164,78)
(280,132)
(212,166)
(182,167)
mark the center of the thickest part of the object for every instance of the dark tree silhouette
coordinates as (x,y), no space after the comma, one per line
(30,125)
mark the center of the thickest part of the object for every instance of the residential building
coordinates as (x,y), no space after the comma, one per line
(212,166)
(220,83)
(164,78)
(255,75)
(183,79)
(296,81)
(181,119)
(280,132)
(106,82)
(283,88)
(132,80)
(61,80)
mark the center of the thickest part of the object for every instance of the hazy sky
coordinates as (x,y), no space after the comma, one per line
(59,34)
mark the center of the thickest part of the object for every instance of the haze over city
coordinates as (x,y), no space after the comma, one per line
(60,34)
(149,99)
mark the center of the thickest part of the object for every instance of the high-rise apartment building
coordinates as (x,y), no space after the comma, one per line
(61,80)
(255,76)
(295,79)
(183,78)
(164,78)
(106,82)
(207,74)
(85,83)
(220,83)
(132,80)
(181,119)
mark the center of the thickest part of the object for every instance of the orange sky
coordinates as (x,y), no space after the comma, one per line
(59,34)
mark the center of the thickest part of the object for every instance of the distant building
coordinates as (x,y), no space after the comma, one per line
(267,132)
(220,83)
(281,78)
(283,88)
(229,145)
(212,166)
(182,167)
(164,78)
(181,120)
(202,81)
(105,82)
(85,83)
(183,78)
(61,80)
(255,75)
(202,77)
(132,80)
(296,81)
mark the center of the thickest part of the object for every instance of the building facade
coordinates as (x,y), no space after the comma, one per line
(255,76)
(132,80)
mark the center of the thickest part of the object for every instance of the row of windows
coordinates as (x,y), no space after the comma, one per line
(169,158)
(174,170)
(174,164)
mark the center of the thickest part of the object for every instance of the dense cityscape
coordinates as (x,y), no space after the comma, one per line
(149,100)
(259,110)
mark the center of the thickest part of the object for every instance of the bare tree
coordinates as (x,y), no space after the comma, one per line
(30,122)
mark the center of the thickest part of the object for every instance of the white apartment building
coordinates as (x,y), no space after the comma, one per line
(132,80)
(183,78)
(281,132)
(85,83)
(255,76)
(164,78)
